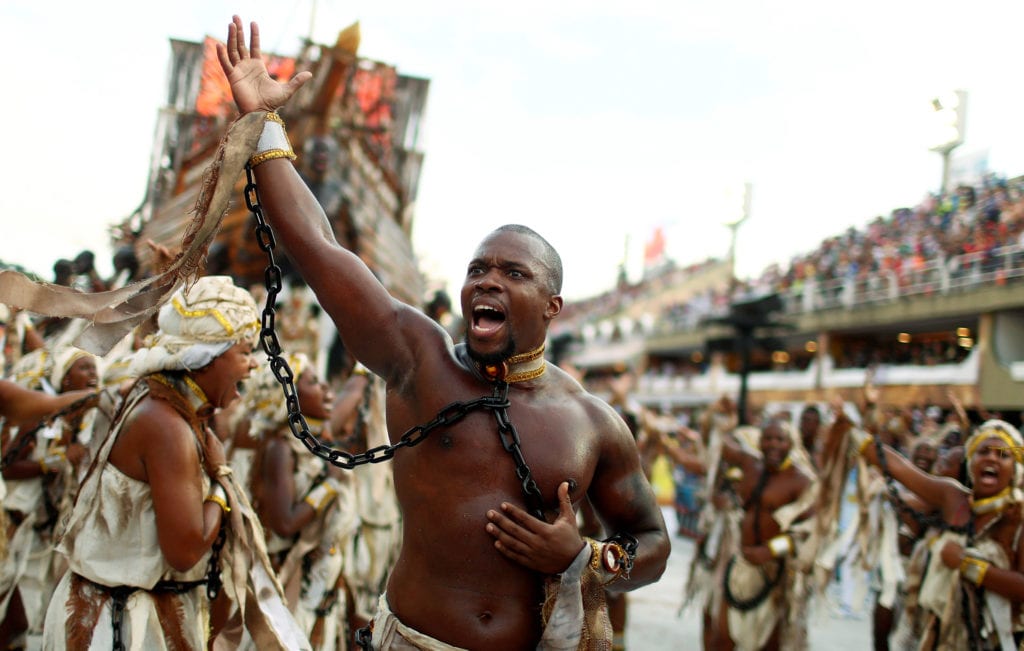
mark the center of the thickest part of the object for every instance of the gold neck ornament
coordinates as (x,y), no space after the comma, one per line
(997,502)
(518,368)
(192,392)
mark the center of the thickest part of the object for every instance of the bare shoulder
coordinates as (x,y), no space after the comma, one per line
(277,454)
(153,436)
(607,425)
(800,479)
(154,427)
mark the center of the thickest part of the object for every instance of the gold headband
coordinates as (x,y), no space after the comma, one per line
(1003,435)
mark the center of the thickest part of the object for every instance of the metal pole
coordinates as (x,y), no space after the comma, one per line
(746,337)
(946,156)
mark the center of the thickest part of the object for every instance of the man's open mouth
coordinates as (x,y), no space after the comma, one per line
(487,319)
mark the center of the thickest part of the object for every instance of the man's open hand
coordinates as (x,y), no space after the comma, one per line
(533,543)
(251,85)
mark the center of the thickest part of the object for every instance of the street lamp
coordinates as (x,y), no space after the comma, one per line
(734,226)
(949,117)
(747,317)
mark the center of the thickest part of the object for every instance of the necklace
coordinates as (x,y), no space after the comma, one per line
(518,368)
(786,463)
(195,396)
(997,502)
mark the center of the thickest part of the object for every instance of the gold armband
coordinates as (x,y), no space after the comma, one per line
(607,559)
(859,440)
(54,461)
(273,142)
(781,545)
(322,495)
(973,569)
(219,497)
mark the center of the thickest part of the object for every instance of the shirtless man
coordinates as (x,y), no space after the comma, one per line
(474,561)
(777,497)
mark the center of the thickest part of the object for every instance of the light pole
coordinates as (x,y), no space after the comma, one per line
(734,226)
(949,118)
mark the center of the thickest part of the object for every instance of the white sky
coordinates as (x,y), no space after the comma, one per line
(593,122)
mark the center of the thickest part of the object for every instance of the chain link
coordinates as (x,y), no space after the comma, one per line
(271,344)
(925,520)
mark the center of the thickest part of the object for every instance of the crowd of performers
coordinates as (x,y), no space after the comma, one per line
(935,536)
(937,525)
(91,499)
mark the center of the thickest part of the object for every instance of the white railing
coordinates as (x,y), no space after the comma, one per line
(964,272)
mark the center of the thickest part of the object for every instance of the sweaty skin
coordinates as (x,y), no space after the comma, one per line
(473,562)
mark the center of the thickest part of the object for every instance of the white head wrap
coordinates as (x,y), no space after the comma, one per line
(264,399)
(119,369)
(63,359)
(995,428)
(33,370)
(197,325)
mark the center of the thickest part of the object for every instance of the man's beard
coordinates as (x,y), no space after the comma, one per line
(492,359)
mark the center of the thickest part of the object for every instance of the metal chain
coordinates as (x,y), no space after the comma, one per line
(510,441)
(448,415)
(497,402)
(924,519)
(213,580)
(118,599)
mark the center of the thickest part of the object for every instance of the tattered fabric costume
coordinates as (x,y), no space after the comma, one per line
(955,612)
(120,587)
(311,561)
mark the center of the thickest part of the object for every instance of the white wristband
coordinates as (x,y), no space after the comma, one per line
(322,495)
(781,545)
(273,142)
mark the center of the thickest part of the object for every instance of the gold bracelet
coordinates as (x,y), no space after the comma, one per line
(273,142)
(595,554)
(606,559)
(973,569)
(868,440)
(272,154)
(52,461)
(321,496)
(781,545)
(219,497)
(219,501)
(860,439)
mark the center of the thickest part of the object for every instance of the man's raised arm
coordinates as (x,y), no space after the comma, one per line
(373,325)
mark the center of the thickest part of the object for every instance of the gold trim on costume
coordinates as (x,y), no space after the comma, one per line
(997,502)
(271,154)
(198,398)
(215,313)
